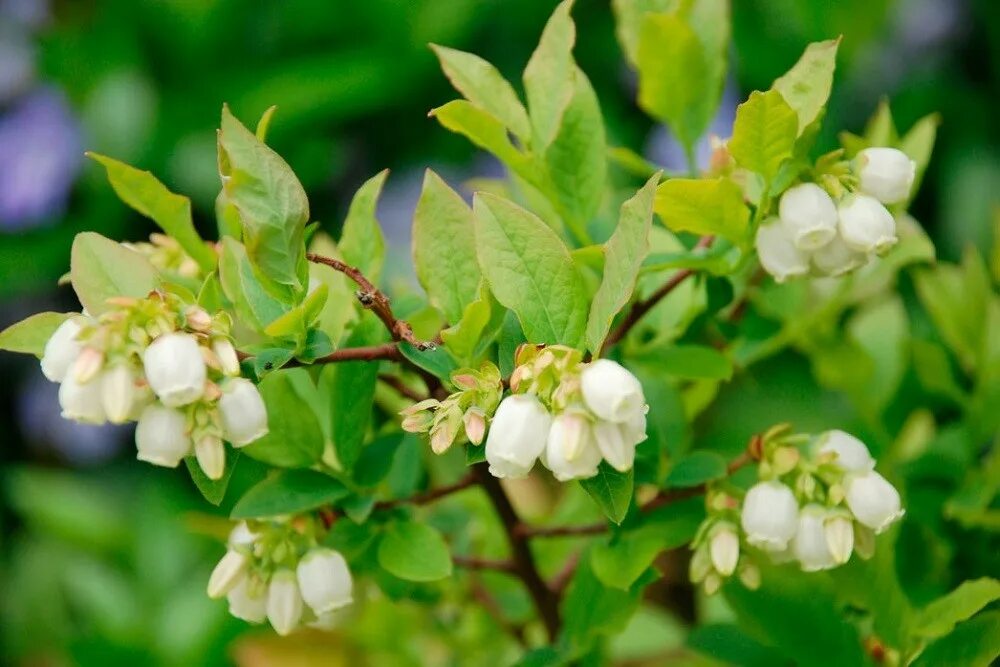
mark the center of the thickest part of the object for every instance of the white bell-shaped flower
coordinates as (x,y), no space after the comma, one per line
(617,442)
(839,532)
(245,606)
(837,258)
(809,215)
(885,173)
(851,454)
(611,391)
(211,455)
(770,515)
(161,436)
(777,253)
(724,549)
(175,369)
(809,544)
(873,500)
(571,451)
(244,416)
(61,350)
(229,571)
(865,224)
(284,602)
(226,354)
(517,436)
(81,402)
(325,580)
(241,535)
(118,393)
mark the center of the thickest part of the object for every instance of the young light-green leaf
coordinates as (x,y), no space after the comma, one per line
(703,206)
(940,617)
(172,212)
(611,490)
(484,130)
(101,269)
(294,438)
(764,133)
(414,551)
(548,77)
(361,241)
(696,468)
(628,20)
(530,271)
(484,86)
(289,492)
(213,490)
(272,205)
(806,86)
(444,248)
(244,288)
(30,335)
(624,253)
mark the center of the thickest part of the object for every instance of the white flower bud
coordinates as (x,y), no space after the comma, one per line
(226,354)
(873,500)
(61,350)
(211,455)
(866,225)
(809,214)
(517,435)
(244,606)
(241,535)
(325,580)
(161,436)
(839,532)
(851,453)
(837,258)
(776,252)
(770,515)
(724,547)
(244,416)
(809,544)
(284,602)
(118,393)
(611,391)
(230,571)
(88,364)
(570,451)
(175,369)
(885,173)
(81,402)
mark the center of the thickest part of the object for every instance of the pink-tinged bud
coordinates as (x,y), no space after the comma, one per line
(88,365)
(474,421)
(426,404)
(464,380)
(417,423)
(198,318)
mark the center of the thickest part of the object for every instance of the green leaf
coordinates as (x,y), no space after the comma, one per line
(628,20)
(918,144)
(294,437)
(272,204)
(484,86)
(414,551)
(611,490)
(941,616)
(806,86)
(361,241)
(695,361)
(213,490)
(101,269)
(530,271)
(624,254)
(298,319)
(484,130)
(764,133)
(548,77)
(351,390)
(172,212)
(975,643)
(341,306)
(289,492)
(437,361)
(696,468)
(444,248)
(576,159)
(478,328)
(703,206)
(589,609)
(30,335)
(244,287)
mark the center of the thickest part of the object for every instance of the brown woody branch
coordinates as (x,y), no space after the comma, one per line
(427,497)
(477,563)
(401,387)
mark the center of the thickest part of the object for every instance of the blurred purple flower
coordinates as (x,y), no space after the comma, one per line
(663,148)
(41,152)
(28,13)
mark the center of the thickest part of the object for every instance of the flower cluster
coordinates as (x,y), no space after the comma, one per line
(166,254)
(275,570)
(462,416)
(170,367)
(813,233)
(569,414)
(815,510)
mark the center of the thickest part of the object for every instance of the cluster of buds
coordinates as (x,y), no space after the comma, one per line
(167,256)
(170,367)
(812,233)
(275,570)
(462,416)
(569,414)
(818,501)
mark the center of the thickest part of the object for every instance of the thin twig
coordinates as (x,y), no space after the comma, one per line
(401,387)
(477,563)
(640,308)
(429,496)
(492,607)
(562,579)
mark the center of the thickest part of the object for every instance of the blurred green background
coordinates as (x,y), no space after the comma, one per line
(103,561)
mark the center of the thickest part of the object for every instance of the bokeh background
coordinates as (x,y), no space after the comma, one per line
(102,561)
